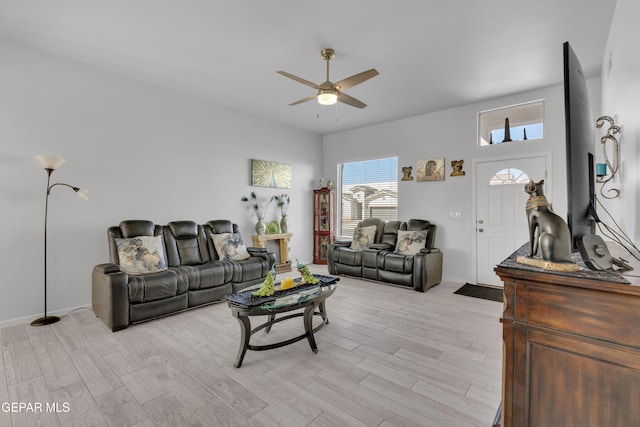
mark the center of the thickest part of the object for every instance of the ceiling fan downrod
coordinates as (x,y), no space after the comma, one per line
(328,54)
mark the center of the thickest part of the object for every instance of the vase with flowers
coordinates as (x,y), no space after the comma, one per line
(282,200)
(258,207)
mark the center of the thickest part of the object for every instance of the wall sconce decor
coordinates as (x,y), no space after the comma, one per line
(49,164)
(611,165)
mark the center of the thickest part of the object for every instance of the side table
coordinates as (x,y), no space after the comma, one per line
(283,263)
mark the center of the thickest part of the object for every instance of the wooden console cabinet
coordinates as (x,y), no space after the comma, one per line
(571,348)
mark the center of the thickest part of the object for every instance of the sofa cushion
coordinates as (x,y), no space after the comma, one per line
(157,286)
(230,246)
(222,226)
(396,262)
(252,268)
(421,224)
(208,275)
(141,255)
(137,227)
(348,256)
(185,240)
(378,222)
(410,242)
(390,232)
(363,237)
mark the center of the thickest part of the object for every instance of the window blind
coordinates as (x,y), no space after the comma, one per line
(367,189)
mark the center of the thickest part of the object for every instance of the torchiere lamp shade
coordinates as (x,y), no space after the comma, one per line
(51,163)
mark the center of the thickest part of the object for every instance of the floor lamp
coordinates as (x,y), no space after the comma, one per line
(50,164)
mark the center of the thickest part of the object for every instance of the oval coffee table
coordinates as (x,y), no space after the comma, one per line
(308,299)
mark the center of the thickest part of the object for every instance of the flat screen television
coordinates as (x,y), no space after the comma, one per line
(580,146)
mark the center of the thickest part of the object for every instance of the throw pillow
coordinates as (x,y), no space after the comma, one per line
(230,246)
(363,237)
(141,255)
(410,242)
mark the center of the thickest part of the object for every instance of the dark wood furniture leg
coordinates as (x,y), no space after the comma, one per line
(245,335)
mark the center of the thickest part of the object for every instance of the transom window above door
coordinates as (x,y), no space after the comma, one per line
(522,122)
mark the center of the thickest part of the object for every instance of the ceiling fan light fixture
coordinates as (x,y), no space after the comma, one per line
(327,97)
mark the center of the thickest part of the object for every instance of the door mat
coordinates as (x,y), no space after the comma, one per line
(479,291)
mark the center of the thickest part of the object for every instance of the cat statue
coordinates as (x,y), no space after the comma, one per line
(547,231)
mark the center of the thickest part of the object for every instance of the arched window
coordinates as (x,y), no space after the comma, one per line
(509,176)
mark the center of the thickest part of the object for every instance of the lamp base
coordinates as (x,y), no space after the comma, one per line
(46,320)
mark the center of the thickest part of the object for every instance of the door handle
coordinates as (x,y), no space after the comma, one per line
(480,230)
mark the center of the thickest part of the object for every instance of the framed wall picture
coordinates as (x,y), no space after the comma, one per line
(430,170)
(270,174)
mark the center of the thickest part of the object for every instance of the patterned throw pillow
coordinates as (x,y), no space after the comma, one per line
(141,255)
(230,246)
(410,242)
(363,237)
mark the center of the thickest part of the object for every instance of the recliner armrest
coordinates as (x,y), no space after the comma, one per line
(110,295)
(264,253)
(427,269)
(429,250)
(380,246)
(107,268)
(333,247)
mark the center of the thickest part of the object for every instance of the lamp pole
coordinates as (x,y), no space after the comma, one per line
(50,164)
(46,320)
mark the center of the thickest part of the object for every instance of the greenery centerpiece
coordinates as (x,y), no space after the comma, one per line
(282,200)
(258,207)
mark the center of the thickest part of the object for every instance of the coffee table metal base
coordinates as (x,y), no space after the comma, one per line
(307,315)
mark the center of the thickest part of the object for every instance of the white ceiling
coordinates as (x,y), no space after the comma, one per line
(431,55)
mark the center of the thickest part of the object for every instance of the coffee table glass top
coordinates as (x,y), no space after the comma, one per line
(296,295)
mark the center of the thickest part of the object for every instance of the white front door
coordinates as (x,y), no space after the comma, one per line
(501,221)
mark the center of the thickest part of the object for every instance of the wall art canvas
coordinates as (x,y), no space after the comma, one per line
(456,168)
(430,170)
(406,173)
(270,174)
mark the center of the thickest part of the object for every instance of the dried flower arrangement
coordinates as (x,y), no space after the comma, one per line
(282,200)
(257,205)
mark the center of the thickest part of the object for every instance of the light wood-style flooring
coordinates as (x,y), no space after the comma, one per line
(389,357)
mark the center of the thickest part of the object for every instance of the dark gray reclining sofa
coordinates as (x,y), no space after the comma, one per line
(195,274)
(380,261)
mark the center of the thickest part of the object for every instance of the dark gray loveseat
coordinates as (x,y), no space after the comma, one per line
(195,274)
(380,260)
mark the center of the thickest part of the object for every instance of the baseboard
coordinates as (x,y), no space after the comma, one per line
(29,319)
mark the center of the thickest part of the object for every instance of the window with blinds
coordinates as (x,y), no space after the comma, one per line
(367,189)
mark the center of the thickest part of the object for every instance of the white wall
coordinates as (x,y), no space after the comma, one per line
(452,134)
(621,100)
(143,152)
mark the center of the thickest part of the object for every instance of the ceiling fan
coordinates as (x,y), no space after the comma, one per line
(329,93)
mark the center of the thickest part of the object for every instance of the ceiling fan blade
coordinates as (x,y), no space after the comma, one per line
(299,79)
(355,79)
(308,98)
(350,100)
